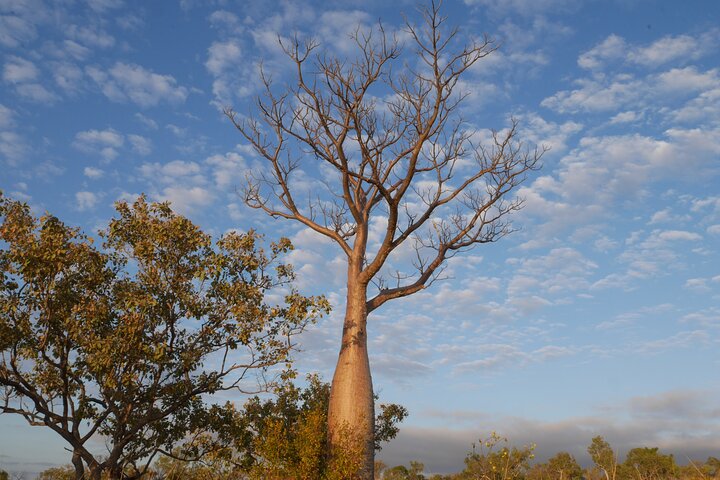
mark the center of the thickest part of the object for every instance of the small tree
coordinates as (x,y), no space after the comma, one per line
(604,457)
(285,437)
(121,342)
(66,472)
(563,466)
(398,155)
(645,463)
(401,472)
(494,460)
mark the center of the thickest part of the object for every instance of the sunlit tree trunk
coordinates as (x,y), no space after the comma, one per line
(351,412)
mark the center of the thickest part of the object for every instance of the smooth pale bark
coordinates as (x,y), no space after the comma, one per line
(352,406)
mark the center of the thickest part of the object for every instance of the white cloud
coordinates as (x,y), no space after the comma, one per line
(130,82)
(23,74)
(596,95)
(13,147)
(678,235)
(177,131)
(68,76)
(229,170)
(224,19)
(680,340)
(36,93)
(140,144)
(687,79)
(19,70)
(697,284)
(612,48)
(85,200)
(103,142)
(705,109)
(130,22)
(186,200)
(560,272)
(522,7)
(223,55)
(335,27)
(90,36)
(626,117)
(92,172)
(102,6)
(657,92)
(6,117)
(15,31)
(171,172)
(538,131)
(148,122)
(71,48)
(668,49)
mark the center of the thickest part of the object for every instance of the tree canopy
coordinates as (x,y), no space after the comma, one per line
(120,341)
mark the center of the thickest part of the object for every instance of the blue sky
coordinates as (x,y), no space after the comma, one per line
(600,316)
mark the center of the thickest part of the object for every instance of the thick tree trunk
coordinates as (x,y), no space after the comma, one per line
(352,406)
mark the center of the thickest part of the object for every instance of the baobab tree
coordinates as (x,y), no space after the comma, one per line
(401,154)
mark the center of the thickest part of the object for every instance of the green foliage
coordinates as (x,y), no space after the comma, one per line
(647,464)
(401,472)
(4,475)
(562,466)
(58,473)
(604,457)
(494,460)
(121,341)
(286,436)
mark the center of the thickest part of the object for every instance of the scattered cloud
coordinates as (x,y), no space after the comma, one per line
(19,70)
(140,144)
(129,82)
(148,122)
(90,36)
(86,200)
(92,172)
(222,56)
(105,143)
(13,147)
(668,49)
(7,117)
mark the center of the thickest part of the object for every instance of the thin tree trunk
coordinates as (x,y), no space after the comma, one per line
(352,406)
(78,465)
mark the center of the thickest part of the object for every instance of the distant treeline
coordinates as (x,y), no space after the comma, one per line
(490,459)
(494,459)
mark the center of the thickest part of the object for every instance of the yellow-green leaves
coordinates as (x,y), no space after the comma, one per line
(122,339)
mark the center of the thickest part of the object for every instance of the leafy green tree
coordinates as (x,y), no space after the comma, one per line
(494,460)
(402,472)
(4,475)
(604,457)
(58,473)
(645,463)
(286,436)
(563,466)
(712,467)
(121,342)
